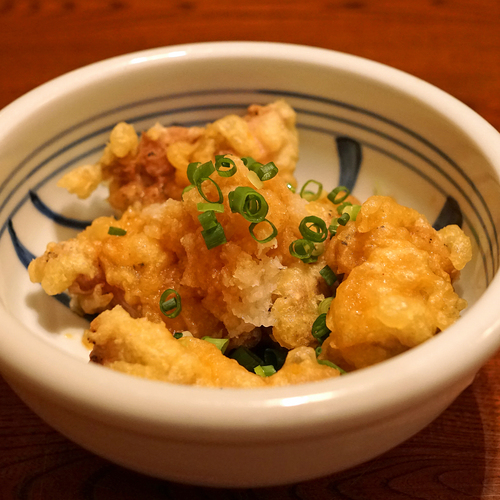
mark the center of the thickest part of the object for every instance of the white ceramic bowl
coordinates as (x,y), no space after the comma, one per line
(419,144)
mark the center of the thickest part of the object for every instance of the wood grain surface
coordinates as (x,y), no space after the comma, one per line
(454,44)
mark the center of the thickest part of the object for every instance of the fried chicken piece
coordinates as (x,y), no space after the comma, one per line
(153,169)
(397,289)
(142,348)
(233,290)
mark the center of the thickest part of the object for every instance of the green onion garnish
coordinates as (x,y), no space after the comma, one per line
(302,249)
(214,236)
(318,350)
(214,207)
(246,358)
(249,203)
(273,234)
(264,172)
(170,306)
(191,170)
(334,225)
(332,228)
(248,161)
(352,211)
(267,171)
(313,228)
(331,365)
(116,231)
(319,329)
(324,305)
(213,232)
(207,219)
(341,207)
(290,187)
(329,276)
(203,171)
(178,335)
(198,174)
(343,219)
(338,195)
(311,195)
(264,371)
(275,357)
(220,196)
(221,344)
(221,162)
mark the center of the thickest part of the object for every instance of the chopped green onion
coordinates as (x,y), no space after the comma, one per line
(290,187)
(343,219)
(192,167)
(214,236)
(319,329)
(221,162)
(319,248)
(264,172)
(273,234)
(221,344)
(352,211)
(311,195)
(248,161)
(334,225)
(331,365)
(302,249)
(186,189)
(246,358)
(313,228)
(324,305)
(203,171)
(338,195)
(343,205)
(318,350)
(208,220)
(275,357)
(332,228)
(213,232)
(267,171)
(198,174)
(329,276)
(178,335)
(264,371)
(214,207)
(170,306)
(116,231)
(220,196)
(249,203)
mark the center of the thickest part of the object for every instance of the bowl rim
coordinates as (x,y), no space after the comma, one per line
(311,408)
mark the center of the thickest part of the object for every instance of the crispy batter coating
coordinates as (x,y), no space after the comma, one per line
(397,289)
(153,169)
(233,290)
(395,271)
(146,349)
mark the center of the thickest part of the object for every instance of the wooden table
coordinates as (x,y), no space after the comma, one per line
(452,44)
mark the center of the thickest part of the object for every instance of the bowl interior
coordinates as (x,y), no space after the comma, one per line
(413,148)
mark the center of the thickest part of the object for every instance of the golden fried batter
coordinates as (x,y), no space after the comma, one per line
(233,290)
(395,272)
(140,347)
(397,289)
(153,169)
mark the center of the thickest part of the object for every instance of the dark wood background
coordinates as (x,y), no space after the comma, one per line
(454,44)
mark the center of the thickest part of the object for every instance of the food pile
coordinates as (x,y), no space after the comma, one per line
(219,272)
